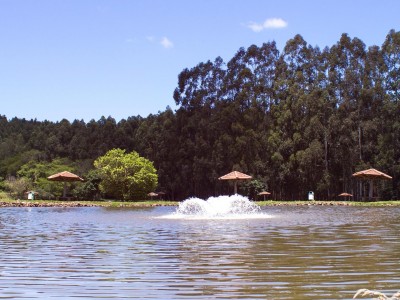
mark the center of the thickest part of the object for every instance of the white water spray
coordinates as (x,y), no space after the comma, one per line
(222,207)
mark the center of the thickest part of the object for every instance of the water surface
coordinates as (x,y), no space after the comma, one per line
(308,252)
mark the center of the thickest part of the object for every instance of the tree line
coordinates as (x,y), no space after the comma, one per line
(297,120)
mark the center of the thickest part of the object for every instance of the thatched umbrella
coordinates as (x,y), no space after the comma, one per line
(235,176)
(264,194)
(152,194)
(161,195)
(370,175)
(345,195)
(65,177)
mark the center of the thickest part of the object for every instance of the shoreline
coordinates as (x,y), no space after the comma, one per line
(67,204)
(149,204)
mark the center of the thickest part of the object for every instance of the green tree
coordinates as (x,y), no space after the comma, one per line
(126,175)
(17,186)
(38,171)
(89,190)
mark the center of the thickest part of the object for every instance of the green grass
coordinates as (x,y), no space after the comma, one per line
(320,202)
(4,196)
(105,203)
(377,203)
(7,201)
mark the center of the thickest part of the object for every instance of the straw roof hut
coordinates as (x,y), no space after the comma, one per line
(235,176)
(370,176)
(345,195)
(152,194)
(65,177)
(264,193)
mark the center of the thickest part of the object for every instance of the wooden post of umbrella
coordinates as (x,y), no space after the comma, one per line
(235,176)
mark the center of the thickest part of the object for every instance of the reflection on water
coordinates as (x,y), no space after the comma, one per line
(298,253)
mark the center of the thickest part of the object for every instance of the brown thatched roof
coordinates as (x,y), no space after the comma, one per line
(235,175)
(65,176)
(264,193)
(372,174)
(345,195)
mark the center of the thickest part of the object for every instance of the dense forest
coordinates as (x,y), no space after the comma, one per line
(297,120)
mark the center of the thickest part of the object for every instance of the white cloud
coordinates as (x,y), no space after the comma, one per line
(150,38)
(273,23)
(166,43)
(256,27)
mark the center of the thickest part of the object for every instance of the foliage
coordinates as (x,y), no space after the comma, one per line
(90,189)
(301,119)
(38,171)
(126,175)
(17,187)
(4,196)
(253,187)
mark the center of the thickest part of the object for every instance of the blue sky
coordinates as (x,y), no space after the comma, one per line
(83,59)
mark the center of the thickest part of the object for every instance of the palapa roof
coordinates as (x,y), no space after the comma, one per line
(345,195)
(371,174)
(65,176)
(264,193)
(235,175)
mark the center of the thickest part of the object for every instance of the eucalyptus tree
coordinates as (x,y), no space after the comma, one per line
(249,95)
(156,139)
(242,114)
(198,93)
(346,73)
(371,104)
(299,127)
(78,146)
(389,137)
(126,133)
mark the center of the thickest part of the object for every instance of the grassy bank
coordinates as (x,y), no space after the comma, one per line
(58,203)
(332,203)
(5,201)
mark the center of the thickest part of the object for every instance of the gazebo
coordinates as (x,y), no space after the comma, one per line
(370,176)
(235,176)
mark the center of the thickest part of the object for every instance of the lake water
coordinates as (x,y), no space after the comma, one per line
(307,252)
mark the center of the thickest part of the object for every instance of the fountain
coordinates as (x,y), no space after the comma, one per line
(221,207)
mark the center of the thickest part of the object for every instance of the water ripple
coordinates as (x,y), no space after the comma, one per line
(298,253)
